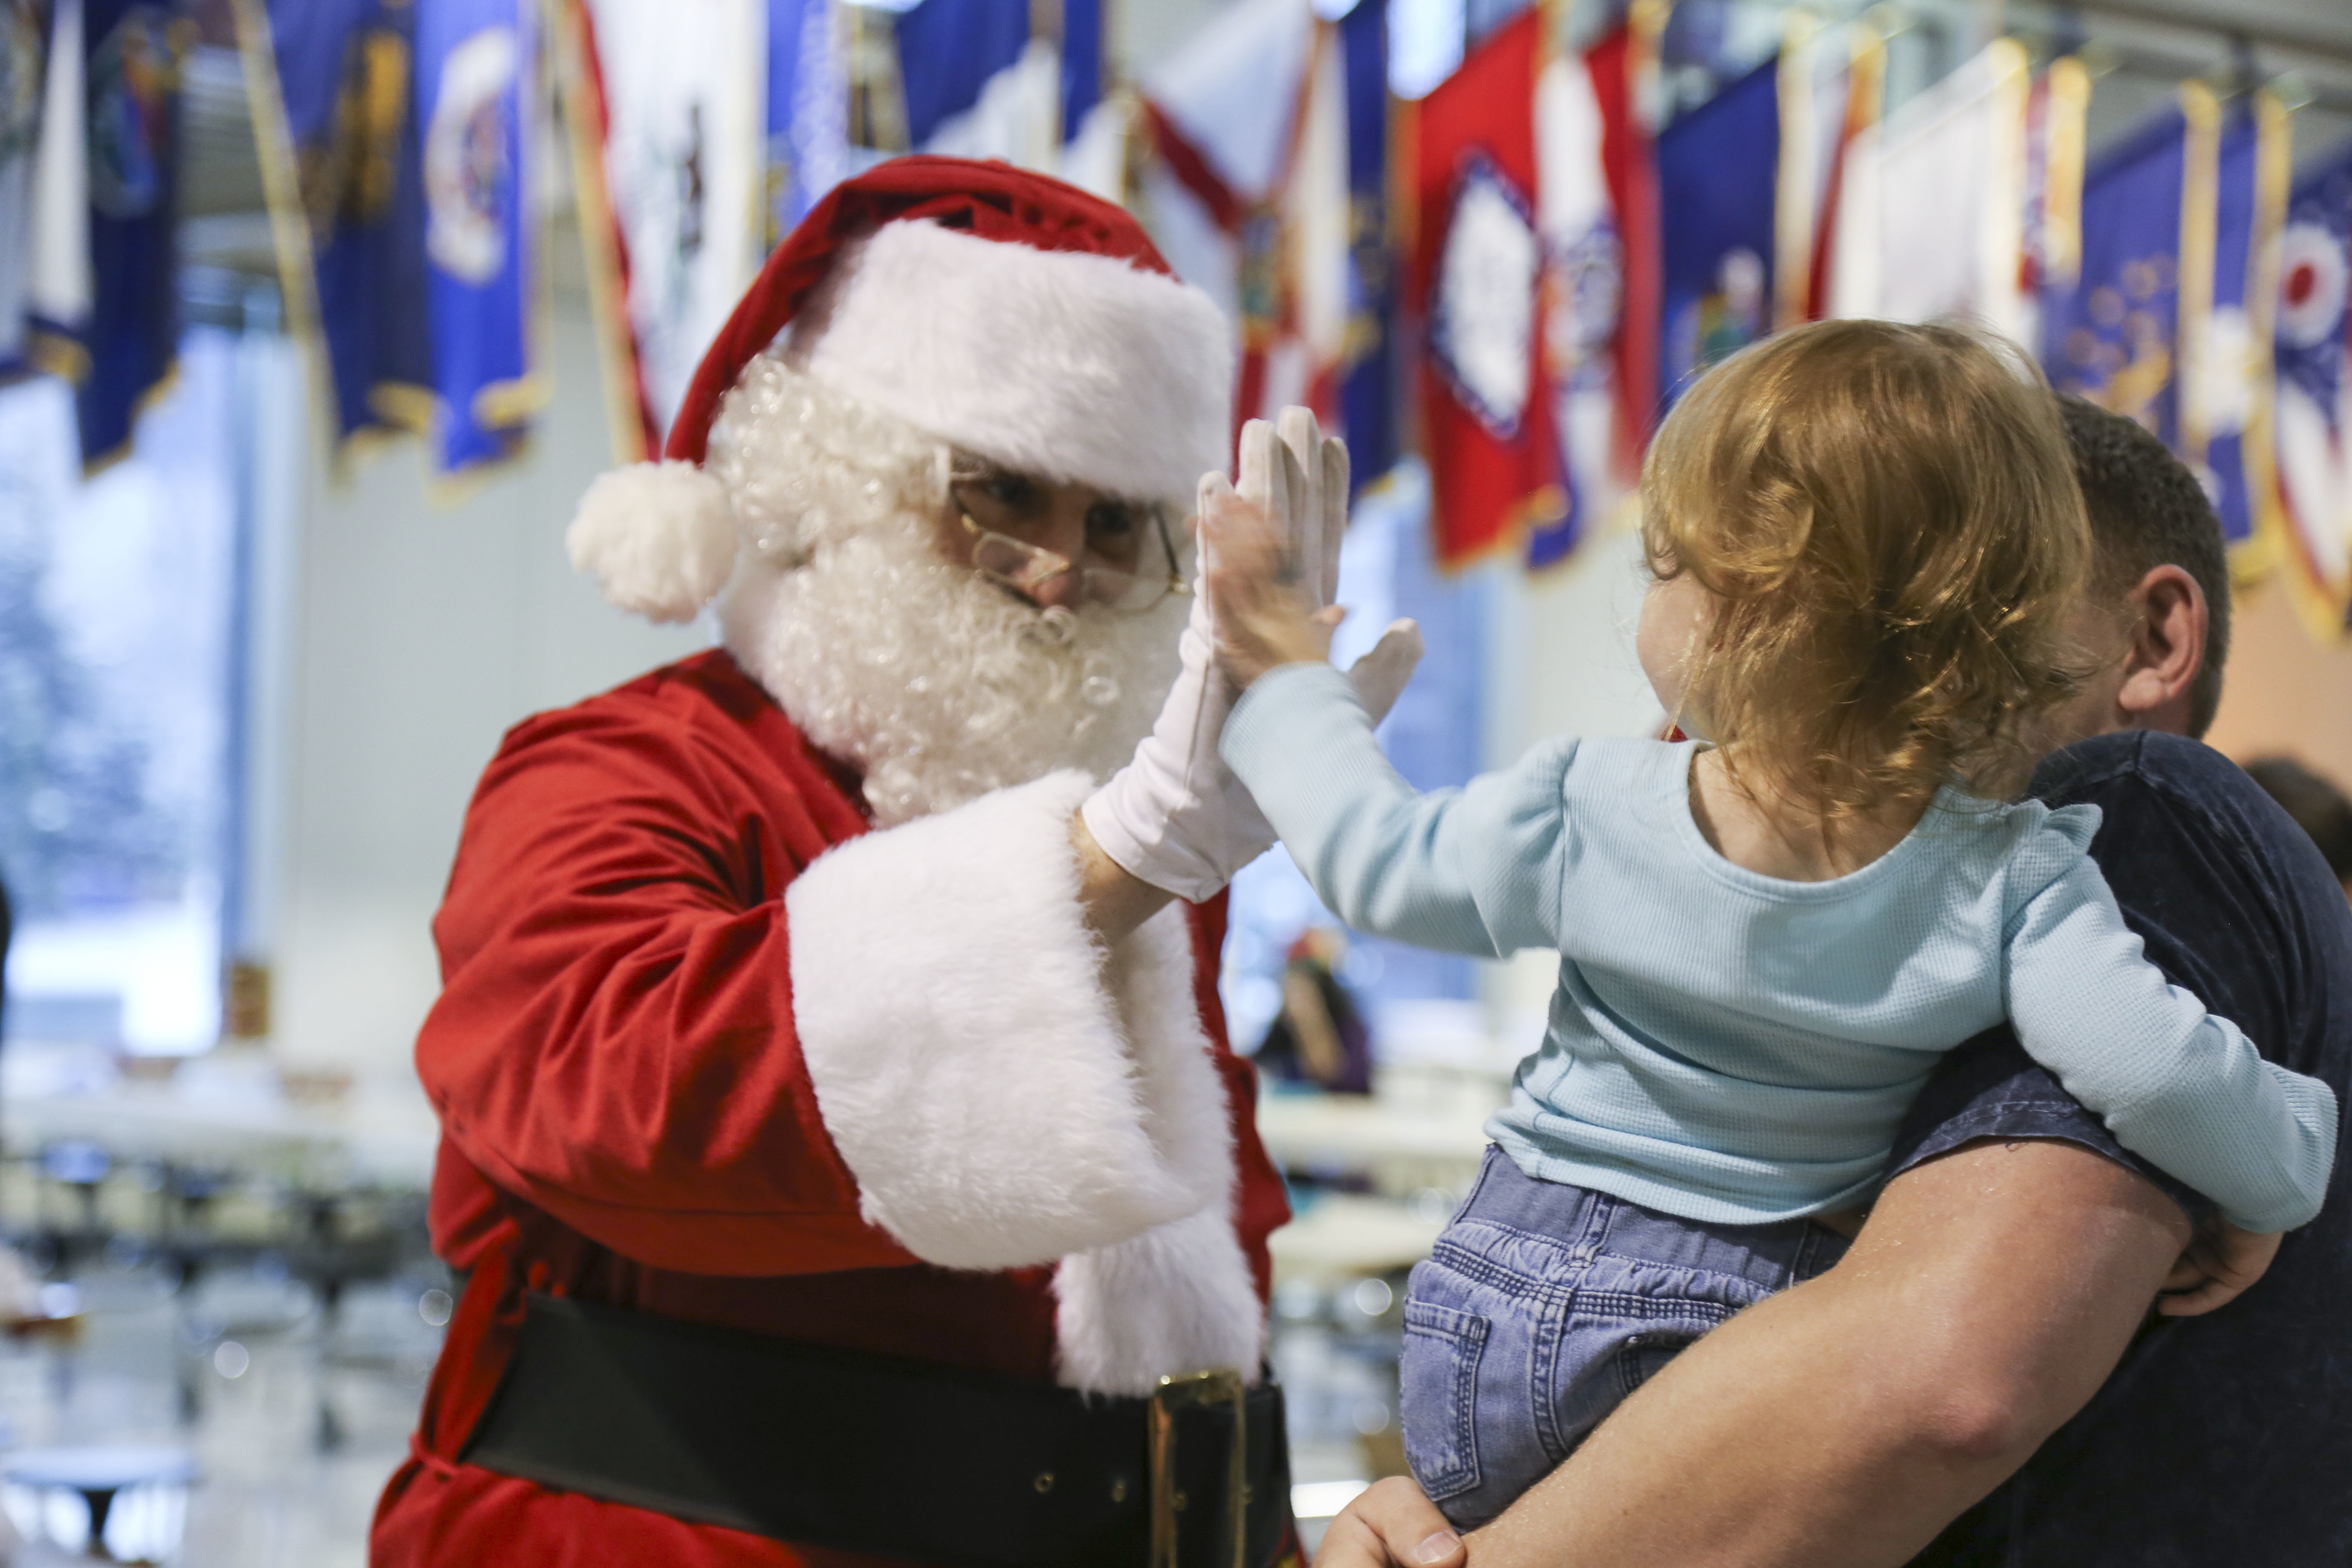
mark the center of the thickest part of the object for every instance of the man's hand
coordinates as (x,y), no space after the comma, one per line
(2221,1263)
(1391,1525)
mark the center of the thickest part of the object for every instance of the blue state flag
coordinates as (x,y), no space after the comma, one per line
(808,112)
(2113,335)
(2312,413)
(1368,388)
(981,79)
(477,74)
(2232,416)
(1717,169)
(335,109)
(131,86)
(1082,61)
(949,50)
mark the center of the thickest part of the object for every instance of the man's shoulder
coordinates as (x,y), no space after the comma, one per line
(2232,898)
(2172,767)
(2178,814)
(694,690)
(699,725)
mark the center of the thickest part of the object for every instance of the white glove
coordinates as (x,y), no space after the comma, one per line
(1175,817)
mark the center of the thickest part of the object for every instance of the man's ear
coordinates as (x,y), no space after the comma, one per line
(2168,648)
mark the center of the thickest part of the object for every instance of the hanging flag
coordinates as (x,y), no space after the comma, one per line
(333,92)
(131,84)
(1368,390)
(979,82)
(667,106)
(1477,265)
(1716,226)
(2147,277)
(24,55)
(1941,232)
(807,114)
(1252,196)
(2056,113)
(477,89)
(1845,195)
(2226,406)
(1596,219)
(1816,81)
(2313,488)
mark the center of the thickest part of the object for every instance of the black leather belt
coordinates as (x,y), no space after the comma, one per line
(895,1458)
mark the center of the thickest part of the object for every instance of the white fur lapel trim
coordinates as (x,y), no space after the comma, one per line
(1004,1094)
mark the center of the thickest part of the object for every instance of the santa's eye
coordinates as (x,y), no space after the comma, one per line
(1015,492)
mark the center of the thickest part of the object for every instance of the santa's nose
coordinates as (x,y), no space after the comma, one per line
(1063,588)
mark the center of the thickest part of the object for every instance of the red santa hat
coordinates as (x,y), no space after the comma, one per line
(998,310)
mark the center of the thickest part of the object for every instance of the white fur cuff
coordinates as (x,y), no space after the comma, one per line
(1176,1300)
(1004,1094)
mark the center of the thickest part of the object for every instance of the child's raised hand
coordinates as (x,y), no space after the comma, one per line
(2221,1262)
(1252,579)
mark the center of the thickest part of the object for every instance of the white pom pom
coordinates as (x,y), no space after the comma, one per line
(660,538)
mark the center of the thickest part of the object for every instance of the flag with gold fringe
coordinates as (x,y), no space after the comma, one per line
(2312,414)
(334,88)
(479,94)
(2146,277)
(2227,386)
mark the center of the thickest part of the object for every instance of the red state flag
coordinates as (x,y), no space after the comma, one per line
(1477,270)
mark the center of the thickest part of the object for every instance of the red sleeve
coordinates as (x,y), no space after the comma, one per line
(1261,1200)
(614,1042)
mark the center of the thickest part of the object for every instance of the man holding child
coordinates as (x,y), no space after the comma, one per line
(1990,1329)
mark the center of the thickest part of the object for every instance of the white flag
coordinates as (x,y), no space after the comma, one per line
(1932,219)
(685,116)
(1249,199)
(58,291)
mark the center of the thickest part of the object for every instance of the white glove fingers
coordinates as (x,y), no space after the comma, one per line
(1257,470)
(1380,676)
(1302,438)
(1335,513)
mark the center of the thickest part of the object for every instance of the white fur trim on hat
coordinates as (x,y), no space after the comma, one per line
(1005,1093)
(660,538)
(1069,365)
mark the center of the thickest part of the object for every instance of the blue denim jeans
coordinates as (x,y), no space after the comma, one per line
(1543,1305)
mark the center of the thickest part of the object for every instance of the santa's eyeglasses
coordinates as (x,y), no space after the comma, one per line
(1129,561)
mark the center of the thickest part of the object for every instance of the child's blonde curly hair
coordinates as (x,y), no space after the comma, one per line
(1887,519)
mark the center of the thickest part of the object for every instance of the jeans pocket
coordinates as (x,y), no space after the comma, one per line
(1437,1377)
(1645,1352)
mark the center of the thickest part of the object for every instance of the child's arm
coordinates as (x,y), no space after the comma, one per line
(1473,870)
(2175,1084)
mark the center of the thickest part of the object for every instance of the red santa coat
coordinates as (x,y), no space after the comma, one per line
(683,1066)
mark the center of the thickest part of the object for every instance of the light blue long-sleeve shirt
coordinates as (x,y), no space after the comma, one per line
(1737,1048)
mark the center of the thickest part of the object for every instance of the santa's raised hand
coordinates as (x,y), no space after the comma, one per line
(1175,817)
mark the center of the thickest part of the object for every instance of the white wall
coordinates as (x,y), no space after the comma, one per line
(419,633)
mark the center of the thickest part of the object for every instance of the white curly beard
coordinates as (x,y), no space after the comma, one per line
(939,685)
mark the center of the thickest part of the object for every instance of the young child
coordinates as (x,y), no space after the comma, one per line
(1866,540)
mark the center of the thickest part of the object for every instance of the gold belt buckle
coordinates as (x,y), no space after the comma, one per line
(1183,1392)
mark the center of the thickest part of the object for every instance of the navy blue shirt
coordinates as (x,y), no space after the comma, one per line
(2225,1438)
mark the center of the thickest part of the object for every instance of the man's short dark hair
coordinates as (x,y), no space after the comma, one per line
(2148,511)
(2319,807)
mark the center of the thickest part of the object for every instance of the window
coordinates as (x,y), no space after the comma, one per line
(119,632)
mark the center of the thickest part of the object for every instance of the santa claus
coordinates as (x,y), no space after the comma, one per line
(842,1156)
